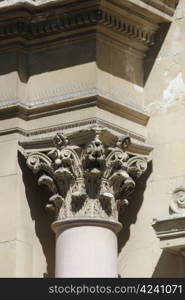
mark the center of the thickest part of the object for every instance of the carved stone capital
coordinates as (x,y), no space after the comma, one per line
(92,179)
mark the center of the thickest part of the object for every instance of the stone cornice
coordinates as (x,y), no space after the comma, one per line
(27,112)
(170,230)
(171,233)
(29,25)
(39,140)
(167,6)
(90,173)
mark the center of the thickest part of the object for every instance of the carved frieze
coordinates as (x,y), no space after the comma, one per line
(93,179)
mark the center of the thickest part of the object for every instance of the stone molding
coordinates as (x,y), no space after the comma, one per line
(91,179)
(28,25)
(170,230)
(171,233)
(167,6)
(61,225)
(42,139)
(29,111)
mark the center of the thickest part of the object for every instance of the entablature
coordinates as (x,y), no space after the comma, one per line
(33,23)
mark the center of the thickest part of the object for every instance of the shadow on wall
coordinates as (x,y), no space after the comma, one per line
(170,266)
(129,215)
(37,198)
(63,56)
(154,51)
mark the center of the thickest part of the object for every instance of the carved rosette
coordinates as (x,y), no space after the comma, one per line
(92,180)
(177,204)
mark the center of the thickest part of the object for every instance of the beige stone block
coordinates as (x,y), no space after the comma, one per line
(167,127)
(161,92)
(162,194)
(8,86)
(159,194)
(180,10)
(8,202)
(12,123)
(8,259)
(25,223)
(128,125)
(67,117)
(40,264)
(141,235)
(24,259)
(103,81)
(8,158)
(120,89)
(62,82)
(136,263)
(168,68)
(22,90)
(168,160)
(174,43)
(131,94)
(9,137)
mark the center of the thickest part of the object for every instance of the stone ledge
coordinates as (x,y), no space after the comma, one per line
(171,233)
(28,24)
(166,6)
(130,30)
(27,112)
(39,140)
(62,225)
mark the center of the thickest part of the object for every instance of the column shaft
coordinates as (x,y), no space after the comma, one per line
(86,248)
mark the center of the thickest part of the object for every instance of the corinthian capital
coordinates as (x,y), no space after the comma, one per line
(92,179)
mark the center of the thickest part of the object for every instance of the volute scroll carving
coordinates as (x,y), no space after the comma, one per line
(177,204)
(92,179)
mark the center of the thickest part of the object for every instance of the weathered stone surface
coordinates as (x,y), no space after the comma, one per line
(177,204)
(171,233)
(55,75)
(93,180)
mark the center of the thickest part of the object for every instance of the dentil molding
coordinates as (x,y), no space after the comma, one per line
(132,23)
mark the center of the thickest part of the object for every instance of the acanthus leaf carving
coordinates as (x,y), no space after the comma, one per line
(91,180)
(137,166)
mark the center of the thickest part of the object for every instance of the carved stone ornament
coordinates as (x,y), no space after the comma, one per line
(92,180)
(177,204)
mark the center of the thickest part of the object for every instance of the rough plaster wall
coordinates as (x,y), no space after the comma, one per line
(166,83)
(165,100)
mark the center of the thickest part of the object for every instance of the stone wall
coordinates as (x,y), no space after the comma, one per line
(164,94)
